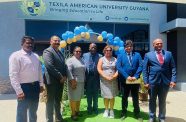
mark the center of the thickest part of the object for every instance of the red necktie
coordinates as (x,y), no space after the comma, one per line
(160,58)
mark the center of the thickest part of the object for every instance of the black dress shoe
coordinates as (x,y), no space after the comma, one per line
(96,111)
(123,116)
(137,116)
(161,120)
(89,112)
(152,120)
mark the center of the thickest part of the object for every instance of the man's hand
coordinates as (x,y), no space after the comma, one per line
(41,89)
(129,79)
(63,79)
(134,78)
(21,96)
(146,86)
(172,84)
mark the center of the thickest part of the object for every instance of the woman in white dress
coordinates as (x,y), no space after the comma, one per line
(76,77)
(109,85)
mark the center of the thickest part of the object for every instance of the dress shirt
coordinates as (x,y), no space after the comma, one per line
(24,68)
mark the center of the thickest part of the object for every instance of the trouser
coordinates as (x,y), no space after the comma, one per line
(134,89)
(92,91)
(160,91)
(53,104)
(92,97)
(29,103)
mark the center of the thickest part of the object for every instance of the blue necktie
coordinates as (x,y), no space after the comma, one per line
(130,59)
(60,56)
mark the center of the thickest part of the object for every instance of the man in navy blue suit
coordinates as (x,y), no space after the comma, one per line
(129,66)
(159,73)
(92,78)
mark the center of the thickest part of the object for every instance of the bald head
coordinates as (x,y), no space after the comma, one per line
(92,45)
(158,44)
(157,40)
(92,48)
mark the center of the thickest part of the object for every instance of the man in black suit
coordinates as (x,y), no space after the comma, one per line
(55,75)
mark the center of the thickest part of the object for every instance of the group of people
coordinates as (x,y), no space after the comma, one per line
(89,72)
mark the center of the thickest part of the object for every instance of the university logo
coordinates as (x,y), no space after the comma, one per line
(33,7)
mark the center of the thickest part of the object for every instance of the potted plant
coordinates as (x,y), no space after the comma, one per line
(143,91)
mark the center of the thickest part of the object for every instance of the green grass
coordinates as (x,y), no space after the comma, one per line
(99,117)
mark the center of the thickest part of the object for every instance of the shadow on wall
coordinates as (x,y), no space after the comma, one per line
(5,87)
(174,119)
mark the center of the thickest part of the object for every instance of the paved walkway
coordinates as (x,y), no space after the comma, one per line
(176,107)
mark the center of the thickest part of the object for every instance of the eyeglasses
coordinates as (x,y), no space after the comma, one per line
(93,47)
(56,40)
(108,50)
(128,46)
(78,51)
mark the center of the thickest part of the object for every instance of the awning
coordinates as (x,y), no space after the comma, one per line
(179,23)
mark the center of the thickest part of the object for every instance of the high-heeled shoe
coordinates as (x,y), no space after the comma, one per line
(74,117)
(79,114)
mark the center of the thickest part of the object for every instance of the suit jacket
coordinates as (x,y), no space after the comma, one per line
(126,69)
(86,58)
(154,72)
(55,67)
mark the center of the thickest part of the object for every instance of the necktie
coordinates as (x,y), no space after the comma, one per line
(91,64)
(60,56)
(160,58)
(130,59)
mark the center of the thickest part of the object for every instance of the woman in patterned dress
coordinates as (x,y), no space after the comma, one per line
(109,85)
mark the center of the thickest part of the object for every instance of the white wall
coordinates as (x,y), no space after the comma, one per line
(11,31)
(158,17)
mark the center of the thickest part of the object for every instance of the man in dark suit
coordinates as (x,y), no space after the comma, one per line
(159,73)
(129,65)
(55,75)
(92,78)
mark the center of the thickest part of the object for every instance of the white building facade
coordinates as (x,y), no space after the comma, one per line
(13,25)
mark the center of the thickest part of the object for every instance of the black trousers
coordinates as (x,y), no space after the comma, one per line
(126,89)
(53,104)
(29,104)
(92,91)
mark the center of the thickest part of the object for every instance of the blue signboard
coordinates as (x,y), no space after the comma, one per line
(85,10)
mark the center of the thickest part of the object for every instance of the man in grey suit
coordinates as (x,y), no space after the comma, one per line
(55,75)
